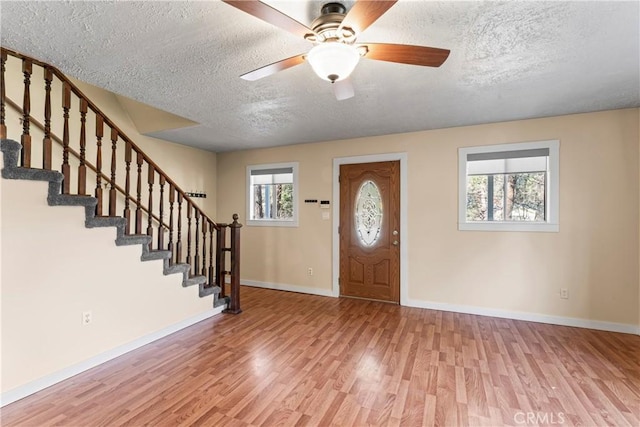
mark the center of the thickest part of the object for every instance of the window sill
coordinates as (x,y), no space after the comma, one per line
(509,226)
(271,223)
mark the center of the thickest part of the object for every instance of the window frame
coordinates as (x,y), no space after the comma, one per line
(267,222)
(551,224)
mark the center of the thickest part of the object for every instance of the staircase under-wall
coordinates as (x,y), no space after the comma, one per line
(11,151)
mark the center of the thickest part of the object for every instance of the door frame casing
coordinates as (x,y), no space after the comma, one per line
(404,258)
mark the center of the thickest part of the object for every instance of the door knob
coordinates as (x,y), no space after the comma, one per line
(395,232)
(395,243)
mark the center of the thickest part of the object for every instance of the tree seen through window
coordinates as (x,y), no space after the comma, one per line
(273,201)
(514,197)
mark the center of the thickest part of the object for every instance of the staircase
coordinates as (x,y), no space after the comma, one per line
(188,242)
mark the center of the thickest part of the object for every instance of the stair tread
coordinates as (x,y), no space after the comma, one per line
(72,200)
(31,174)
(106,221)
(133,239)
(155,255)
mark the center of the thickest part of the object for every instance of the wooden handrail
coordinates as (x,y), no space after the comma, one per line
(75,154)
(112,125)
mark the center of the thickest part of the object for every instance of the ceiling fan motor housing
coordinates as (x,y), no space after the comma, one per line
(327,26)
(333,7)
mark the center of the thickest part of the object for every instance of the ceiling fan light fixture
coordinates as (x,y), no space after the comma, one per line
(333,61)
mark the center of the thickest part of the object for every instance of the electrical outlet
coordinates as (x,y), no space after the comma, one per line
(564,293)
(310,271)
(86,317)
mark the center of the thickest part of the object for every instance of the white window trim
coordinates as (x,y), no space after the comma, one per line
(272,222)
(553,185)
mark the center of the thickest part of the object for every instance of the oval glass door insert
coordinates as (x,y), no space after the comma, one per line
(368,213)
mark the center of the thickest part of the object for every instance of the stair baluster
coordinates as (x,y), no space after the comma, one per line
(179,241)
(172,193)
(139,160)
(46,141)
(66,169)
(127,188)
(204,247)
(161,215)
(189,237)
(82,168)
(112,190)
(25,139)
(220,257)
(196,260)
(211,281)
(99,135)
(150,179)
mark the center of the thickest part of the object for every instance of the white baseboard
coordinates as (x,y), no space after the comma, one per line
(531,317)
(51,379)
(290,288)
(466,309)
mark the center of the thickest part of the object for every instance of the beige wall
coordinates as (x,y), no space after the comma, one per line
(148,119)
(595,255)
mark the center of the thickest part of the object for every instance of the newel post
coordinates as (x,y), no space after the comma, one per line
(234,300)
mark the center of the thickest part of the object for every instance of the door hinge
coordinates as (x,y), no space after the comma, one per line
(338,229)
(338,178)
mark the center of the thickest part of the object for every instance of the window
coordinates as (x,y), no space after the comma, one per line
(509,187)
(272,195)
(368,211)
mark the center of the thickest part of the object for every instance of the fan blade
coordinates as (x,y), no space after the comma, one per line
(406,54)
(270,69)
(364,13)
(268,14)
(343,89)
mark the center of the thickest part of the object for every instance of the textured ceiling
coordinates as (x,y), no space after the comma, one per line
(509,60)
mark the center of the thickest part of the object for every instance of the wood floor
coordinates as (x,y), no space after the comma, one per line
(293,359)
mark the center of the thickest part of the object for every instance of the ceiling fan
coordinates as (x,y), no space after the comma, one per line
(336,53)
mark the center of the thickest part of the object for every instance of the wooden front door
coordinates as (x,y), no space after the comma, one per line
(370,231)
